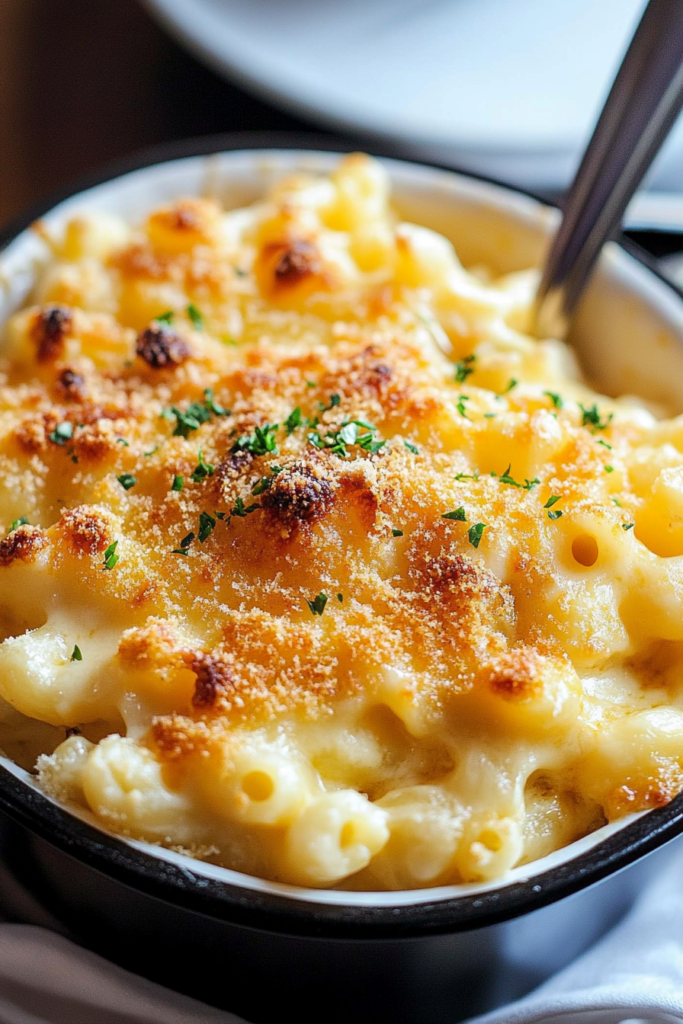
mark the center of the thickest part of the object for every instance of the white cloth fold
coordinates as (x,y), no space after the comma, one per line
(635,973)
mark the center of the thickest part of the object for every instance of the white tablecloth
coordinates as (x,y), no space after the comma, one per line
(636,971)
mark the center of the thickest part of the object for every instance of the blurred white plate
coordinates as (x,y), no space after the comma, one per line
(509,88)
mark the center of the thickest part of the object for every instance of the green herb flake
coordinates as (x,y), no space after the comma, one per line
(22,521)
(552,500)
(475,533)
(555,515)
(617,502)
(335,400)
(348,434)
(127,480)
(555,399)
(340,598)
(294,420)
(76,653)
(187,540)
(512,383)
(122,440)
(196,317)
(528,485)
(464,368)
(202,470)
(62,433)
(604,444)
(110,556)
(317,605)
(212,405)
(396,533)
(461,405)
(609,469)
(261,442)
(311,384)
(178,482)
(153,452)
(591,418)
(459,515)
(206,526)
(241,510)
(627,526)
(467,476)
(179,551)
(165,318)
(411,447)
(489,415)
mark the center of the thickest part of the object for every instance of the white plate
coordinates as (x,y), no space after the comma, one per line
(509,88)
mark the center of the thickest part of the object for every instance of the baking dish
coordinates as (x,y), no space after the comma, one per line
(248,944)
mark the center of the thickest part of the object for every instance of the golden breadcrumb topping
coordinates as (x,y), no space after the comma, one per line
(316,564)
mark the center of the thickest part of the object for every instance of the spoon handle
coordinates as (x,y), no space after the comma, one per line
(643,104)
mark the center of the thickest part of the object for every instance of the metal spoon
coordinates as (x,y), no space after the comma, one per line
(643,104)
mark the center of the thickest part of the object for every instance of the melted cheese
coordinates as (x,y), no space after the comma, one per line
(329,572)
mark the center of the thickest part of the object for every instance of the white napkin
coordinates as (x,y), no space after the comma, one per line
(636,971)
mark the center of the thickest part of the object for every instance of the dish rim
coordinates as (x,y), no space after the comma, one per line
(286,909)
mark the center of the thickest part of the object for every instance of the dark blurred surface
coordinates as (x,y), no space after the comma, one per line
(83,82)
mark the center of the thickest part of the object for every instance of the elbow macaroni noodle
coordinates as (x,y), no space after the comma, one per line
(316,565)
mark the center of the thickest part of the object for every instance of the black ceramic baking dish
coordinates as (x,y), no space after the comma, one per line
(255,947)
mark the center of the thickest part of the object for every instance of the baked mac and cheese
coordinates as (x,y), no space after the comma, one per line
(315,564)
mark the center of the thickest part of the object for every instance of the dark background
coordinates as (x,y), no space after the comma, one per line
(83,82)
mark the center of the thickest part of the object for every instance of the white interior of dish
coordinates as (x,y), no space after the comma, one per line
(628,336)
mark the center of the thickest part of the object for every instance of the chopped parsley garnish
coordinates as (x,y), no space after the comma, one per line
(627,526)
(212,405)
(591,418)
(76,653)
(555,515)
(604,444)
(62,433)
(261,442)
(196,317)
(461,405)
(475,532)
(555,399)
(153,452)
(348,434)
(528,485)
(335,400)
(241,510)
(396,533)
(459,515)
(202,470)
(294,420)
(179,551)
(317,605)
(552,500)
(122,440)
(489,415)
(196,413)
(340,598)
(22,521)
(127,480)
(206,526)
(617,502)
(165,318)
(187,540)
(467,476)
(178,482)
(464,368)
(264,483)
(512,383)
(609,469)
(411,447)
(311,384)
(110,556)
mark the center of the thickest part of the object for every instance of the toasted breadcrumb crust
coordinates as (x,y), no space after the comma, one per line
(298,467)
